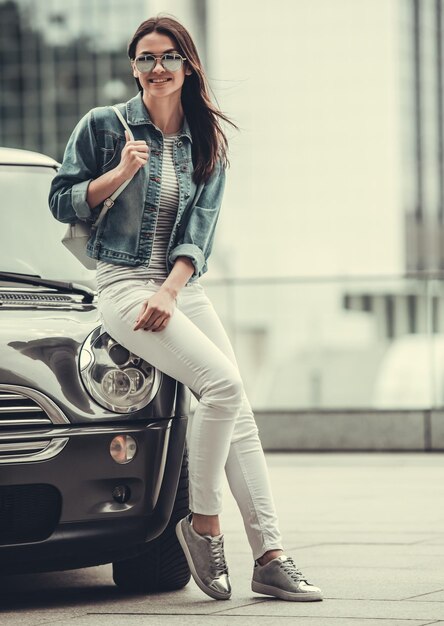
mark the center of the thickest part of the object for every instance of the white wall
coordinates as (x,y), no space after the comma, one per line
(315,176)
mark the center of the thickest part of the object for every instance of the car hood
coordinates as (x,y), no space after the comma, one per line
(39,348)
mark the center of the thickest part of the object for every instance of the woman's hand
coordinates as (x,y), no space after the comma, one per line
(134,156)
(156,312)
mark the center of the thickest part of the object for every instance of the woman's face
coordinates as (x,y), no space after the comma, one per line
(157,44)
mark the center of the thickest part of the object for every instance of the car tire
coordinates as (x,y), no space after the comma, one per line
(162,566)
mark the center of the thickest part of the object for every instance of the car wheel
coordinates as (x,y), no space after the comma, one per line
(162,566)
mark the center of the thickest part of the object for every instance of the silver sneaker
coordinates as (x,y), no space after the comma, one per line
(206,560)
(280,577)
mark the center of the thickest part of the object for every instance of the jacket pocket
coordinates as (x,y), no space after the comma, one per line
(111,155)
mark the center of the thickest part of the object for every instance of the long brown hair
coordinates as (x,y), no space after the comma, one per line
(209,141)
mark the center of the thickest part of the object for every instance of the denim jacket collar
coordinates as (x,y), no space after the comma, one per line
(137,114)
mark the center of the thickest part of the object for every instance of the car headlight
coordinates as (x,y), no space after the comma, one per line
(115,377)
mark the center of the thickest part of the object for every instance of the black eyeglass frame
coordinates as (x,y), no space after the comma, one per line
(161,57)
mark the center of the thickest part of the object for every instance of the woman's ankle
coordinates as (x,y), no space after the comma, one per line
(206,524)
(269,556)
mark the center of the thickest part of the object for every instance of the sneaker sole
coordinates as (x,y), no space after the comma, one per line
(210,592)
(285,595)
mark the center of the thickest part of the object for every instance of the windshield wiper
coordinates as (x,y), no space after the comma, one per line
(33,279)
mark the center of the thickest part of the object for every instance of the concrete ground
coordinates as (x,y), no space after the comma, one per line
(368,528)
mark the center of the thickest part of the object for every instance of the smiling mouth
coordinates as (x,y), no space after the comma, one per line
(159,81)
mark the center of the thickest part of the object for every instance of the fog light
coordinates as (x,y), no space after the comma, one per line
(121,493)
(123,449)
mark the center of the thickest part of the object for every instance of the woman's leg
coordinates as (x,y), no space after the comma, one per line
(245,468)
(216,437)
(185,353)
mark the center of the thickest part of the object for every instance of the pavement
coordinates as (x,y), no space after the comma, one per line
(368,528)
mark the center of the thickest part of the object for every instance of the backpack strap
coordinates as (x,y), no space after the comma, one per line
(124,122)
(108,203)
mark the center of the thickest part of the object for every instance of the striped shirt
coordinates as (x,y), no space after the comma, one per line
(156,269)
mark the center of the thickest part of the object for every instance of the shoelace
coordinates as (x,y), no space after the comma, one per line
(218,563)
(290,568)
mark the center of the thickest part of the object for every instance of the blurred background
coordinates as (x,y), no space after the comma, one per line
(328,264)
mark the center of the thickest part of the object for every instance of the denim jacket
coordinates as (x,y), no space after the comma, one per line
(125,236)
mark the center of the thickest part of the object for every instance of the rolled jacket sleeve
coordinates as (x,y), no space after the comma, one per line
(196,235)
(67,196)
(191,251)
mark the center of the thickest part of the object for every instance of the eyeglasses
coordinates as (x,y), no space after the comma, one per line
(171,61)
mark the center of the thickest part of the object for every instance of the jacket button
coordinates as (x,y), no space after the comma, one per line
(187,195)
(179,143)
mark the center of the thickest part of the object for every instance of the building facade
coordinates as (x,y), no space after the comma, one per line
(423,132)
(58,60)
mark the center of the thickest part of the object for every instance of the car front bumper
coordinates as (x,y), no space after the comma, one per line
(59,512)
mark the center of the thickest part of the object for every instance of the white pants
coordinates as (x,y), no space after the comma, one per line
(195,350)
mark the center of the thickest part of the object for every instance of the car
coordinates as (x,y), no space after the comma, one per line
(93,462)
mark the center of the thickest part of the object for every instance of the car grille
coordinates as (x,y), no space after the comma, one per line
(19,410)
(25,416)
(28,512)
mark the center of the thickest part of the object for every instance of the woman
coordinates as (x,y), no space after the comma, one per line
(151,250)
